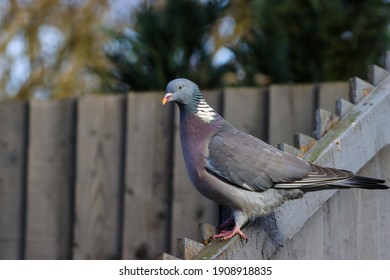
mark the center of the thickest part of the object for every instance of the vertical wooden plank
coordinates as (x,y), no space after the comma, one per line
(332,228)
(383,199)
(308,243)
(373,219)
(189,207)
(13,147)
(99,184)
(367,225)
(329,92)
(291,110)
(315,236)
(347,226)
(50,179)
(147,177)
(246,109)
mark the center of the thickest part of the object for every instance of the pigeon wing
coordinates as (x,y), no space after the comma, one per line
(250,163)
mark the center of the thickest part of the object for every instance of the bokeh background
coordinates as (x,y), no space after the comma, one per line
(56,48)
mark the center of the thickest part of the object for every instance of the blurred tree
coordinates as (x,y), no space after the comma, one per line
(166,41)
(307,40)
(46,47)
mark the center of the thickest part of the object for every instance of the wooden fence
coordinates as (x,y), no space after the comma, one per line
(102,177)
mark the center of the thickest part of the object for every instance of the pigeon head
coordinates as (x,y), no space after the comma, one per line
(189,98)
(181,91)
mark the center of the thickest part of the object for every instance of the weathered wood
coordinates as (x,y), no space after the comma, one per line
(189,207)
(329,92)
(340,214)
(13,151)
(324,121)
(147,177)
(245,109)
(165,256)
(373,223)
(382,161)
(290,149)
(188,248)
(50,179)
(303,142)
(205,231)
(358,89)
(308,243)
(343,107)
(99,185)
(291,109)
(352,224)
(360,130)
(314,236)
(376,74)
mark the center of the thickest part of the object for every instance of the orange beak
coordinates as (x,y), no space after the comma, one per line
(166,98)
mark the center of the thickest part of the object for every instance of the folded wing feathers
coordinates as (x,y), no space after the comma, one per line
(318,176)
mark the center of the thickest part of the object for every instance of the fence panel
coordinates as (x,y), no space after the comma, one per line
(148,176)
(329,92)
(13,151)
(50,179)
(291,110)
(246,109)
(99,185)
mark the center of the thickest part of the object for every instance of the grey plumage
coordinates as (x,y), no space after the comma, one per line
(240,171)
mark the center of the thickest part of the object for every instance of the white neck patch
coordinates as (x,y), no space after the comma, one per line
(205,112)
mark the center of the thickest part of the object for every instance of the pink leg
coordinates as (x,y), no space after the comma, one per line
(228,222)
(227,234)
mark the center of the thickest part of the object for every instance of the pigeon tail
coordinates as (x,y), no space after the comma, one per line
(363,183)
(356,182)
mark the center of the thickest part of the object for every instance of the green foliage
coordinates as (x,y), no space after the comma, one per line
(313,40)
(167,42)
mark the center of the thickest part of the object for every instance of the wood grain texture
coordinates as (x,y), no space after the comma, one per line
(324,121)
(188,248)
(352,224)
(245,109)
(147,177)
(373,221)
(291,110)
(189,207)
(13,151)
(343,107)
(358,89)
(50,179)
(304,142)
(329,92)
(99,184)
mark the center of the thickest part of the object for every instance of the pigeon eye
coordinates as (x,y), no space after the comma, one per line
(181,86)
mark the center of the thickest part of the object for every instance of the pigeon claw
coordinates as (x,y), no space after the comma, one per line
(227,234)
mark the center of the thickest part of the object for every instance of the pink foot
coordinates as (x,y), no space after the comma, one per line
(227,234)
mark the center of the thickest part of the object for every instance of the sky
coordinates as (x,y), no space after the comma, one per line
(51,39)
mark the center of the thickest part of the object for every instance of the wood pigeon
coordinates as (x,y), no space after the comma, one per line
(240,171)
